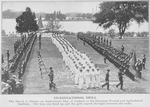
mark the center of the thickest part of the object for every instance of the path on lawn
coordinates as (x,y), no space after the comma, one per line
(62,76)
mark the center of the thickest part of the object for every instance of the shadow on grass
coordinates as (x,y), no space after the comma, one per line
(54,90)
(102,65)
(139,80)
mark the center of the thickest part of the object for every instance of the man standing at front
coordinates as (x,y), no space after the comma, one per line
(51,77)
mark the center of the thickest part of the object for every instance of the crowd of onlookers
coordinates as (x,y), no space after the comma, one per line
(13,69)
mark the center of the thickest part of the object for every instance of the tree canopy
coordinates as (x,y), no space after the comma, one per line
(26,22)
(56,15)
(121,14)
(53,25)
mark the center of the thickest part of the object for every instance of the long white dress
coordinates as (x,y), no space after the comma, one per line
(81,80)
(93,79)
(87,79)
(98,78)
(77,76)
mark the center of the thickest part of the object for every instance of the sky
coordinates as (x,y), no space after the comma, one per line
(49,7)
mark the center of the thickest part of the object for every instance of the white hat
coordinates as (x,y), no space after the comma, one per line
(14,76)
(17,82)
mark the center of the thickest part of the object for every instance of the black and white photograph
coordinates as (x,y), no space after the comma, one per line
(75,47)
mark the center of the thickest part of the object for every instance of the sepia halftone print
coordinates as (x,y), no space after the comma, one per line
(75,47)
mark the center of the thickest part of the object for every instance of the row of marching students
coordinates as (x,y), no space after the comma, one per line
(84,72)
(104,46)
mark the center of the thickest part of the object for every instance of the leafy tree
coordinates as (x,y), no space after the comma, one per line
(26,22)
(47,17)
(121,14)
(111,33)
(53,26)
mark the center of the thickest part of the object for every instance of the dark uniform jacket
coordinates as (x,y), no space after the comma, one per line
(51,76)
(107,77)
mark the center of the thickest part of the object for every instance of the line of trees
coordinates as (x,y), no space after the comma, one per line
(85,15)
(56,15)
(112,34)
(121,14)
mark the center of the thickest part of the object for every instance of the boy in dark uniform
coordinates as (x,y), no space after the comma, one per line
(122,48)
(143,61)
(110,43)
(139,68)
(2,59)
(8,54)
(107,79)
(120,76)
(51,78)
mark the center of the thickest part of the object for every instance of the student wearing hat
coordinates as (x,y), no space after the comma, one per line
(21,86)
(120,76)
(51,77)
(107,80)
(9,91)
(143,61)
(2,58)
(12,83)
(18,88)
(8,55)
(139,68)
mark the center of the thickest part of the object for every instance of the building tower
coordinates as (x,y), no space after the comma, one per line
(40,24)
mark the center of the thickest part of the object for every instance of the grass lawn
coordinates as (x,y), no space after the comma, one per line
(34,84)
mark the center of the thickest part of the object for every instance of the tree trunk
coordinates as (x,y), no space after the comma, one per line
(122,29)
(121,35)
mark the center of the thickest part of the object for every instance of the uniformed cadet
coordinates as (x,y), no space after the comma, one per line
(51,78)
(122,48)
(107,41)
(2,58)
(143,61)
(106,80)
(110,42)
(120,76)
(8,55)
(138,66)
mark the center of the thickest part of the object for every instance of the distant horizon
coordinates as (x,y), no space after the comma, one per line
(39,12)
(49,6)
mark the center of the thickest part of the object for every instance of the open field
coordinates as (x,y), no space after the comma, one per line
(34,84)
